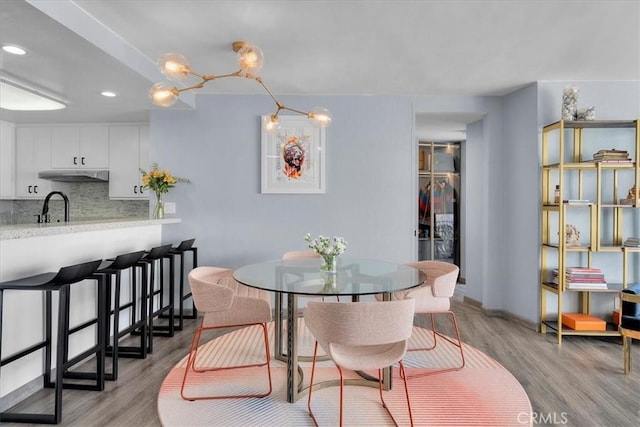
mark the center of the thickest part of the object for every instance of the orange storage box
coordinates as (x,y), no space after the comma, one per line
(583,322)
(616,317)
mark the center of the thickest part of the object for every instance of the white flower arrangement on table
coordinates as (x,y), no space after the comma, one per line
(325,247)
(329,251)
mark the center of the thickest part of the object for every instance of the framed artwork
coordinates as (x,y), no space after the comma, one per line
(293,158)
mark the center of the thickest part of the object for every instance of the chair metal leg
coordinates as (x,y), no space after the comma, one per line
(195,341)
(191,364)
(626,354)
(342,392)
(457,342)
(406,393)
(380,390)
(313,371)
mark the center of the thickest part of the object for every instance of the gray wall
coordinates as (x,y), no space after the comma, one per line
(369,198)
(520,204)
(371,181)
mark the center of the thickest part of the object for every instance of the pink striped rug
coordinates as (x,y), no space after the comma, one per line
(483,393)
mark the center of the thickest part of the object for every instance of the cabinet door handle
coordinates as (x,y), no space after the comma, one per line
(82,160)
(75,160)
(35,189)
(141,188)
(135,189)
(29,189)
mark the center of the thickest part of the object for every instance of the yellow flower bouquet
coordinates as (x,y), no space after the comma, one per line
(160,181)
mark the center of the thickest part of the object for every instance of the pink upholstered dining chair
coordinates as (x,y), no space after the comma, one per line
(225,303)
(361,336)
(433,298)
(300,254)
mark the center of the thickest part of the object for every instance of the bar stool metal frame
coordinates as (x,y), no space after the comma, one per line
(155,257)
(184,246)
(114,268)
(60,282)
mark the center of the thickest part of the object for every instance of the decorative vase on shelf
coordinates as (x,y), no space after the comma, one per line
(158,209)
(570,103)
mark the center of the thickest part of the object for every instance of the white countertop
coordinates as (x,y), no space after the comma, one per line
(22,231)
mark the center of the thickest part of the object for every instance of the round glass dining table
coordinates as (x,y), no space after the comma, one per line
(353,278)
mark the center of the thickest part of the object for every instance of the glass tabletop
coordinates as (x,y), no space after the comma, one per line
(353,277)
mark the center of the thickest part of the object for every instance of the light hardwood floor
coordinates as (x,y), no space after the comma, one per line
(580,383)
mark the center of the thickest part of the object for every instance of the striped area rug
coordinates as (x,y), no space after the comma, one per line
(483,393)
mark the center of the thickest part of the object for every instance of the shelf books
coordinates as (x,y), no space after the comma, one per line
(577,201)
(633,242)
(615,161)
(612,156)
(581,278)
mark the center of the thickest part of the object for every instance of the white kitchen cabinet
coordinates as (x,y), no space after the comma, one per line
(128,151)
(7,160)
(33,154)
(143,151)
(80,147)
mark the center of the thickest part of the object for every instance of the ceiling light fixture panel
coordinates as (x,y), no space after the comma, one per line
(18,96)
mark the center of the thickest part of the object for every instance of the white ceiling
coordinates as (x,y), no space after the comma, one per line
(78,48)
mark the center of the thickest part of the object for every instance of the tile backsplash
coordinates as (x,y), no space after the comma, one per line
(87,201)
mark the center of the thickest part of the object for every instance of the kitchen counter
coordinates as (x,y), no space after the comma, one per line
(31,249)
(21,231)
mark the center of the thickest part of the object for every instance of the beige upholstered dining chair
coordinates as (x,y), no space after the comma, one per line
(361,336)
(433,298)
(225,303)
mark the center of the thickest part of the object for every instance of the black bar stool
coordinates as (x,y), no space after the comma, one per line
(179,251)
(156,301)
(114,268)
(60,282)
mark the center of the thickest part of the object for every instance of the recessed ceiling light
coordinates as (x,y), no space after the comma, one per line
(108,94)
(13,49)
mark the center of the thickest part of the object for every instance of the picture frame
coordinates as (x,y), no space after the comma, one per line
(293,158)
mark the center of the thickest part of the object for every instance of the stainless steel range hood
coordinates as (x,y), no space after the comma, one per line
(75,175)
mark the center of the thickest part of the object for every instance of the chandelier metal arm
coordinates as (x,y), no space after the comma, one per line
(304,113)
(195,86)
(279,104)
(264,86)
(208,77)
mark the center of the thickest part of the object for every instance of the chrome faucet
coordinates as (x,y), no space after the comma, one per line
(44,217)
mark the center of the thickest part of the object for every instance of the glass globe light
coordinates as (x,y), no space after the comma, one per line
(174,65)
(162,95)
(272,125)
(250,59)
(320,117)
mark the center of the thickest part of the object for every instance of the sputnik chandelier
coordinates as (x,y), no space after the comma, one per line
(250,60)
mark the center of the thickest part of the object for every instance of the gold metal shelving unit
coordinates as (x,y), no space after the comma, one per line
(564,164)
